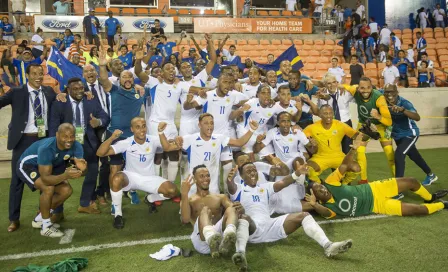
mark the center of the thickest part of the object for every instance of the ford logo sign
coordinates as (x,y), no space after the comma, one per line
(59,25)
(149,22)
(103,22)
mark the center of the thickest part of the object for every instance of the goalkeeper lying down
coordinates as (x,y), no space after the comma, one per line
(333,198)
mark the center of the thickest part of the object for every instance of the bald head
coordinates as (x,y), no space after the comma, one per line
(66,127)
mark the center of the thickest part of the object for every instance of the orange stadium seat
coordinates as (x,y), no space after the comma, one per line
(262,13)
(221,12)
(322,66)
(246,47)
(258,47)
(184,12)
(346,67)
(323,59)
(441,45)
(241,42)
(287,42)
(308,41)
(115,10)
(374,81)
(329,42)
(271,47)
(441,40)
(195,12)
(298,42)
(141,11)
(274,13)
(328,47)
(265,42)
(100,10)
(326,53)
(438,29)
(276,42)
(252,42)
(286,13)
(230,42)
(439,35)
(318,47)
(209,12)
(307,47)
(297,13)
(128,11)
(159,12)
(431,40)
(443,58)
(370,66)
(406,36)
(338,52)
(371,73)
(397,31)
(319,42)
(310,66)
(407,31)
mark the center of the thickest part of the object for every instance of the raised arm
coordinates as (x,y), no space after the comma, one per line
(105,148)
(167,146)
(246,137)
(195,43)
(221,45)
(185,208)
(231,185)
(278,168)
(138,67)
(190,103)
(104,75)
(239,112)
(384,114)
(290,179)
(211,53)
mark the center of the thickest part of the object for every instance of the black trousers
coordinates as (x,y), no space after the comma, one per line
(94,38)
(406,146)
(16,187)
(110,41)
(89,184)
(346,141)
(103,185)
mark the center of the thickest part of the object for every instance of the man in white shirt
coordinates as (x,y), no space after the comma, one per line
(291,5)
(390,74)
(373,26)
(336,70)
(385,35)
(139,172)
(360,9)
(319,5)
(421,45)
(230,54)
(439,15)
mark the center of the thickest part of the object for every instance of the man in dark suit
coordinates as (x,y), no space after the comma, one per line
(92,85)
(87,116)
(29,122)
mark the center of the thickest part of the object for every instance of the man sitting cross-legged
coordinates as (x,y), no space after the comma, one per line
(334,198)
(139,173)
(214,217)
(255,200)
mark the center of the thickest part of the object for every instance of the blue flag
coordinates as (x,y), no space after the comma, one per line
(235,61)
(290,54)
(60,68)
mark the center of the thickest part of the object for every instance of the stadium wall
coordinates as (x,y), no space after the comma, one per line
(429,102)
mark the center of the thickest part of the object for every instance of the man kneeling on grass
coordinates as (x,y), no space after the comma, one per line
(215,219)
(333,198)
(45,166)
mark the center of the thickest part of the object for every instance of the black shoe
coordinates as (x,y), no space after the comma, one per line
(438,195)
(118,222)
(445,203)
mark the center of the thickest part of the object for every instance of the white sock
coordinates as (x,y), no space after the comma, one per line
(173,168)
(225,173)
(242,235)
(38,217)
(116,201)
(156,197)
(313,230)
(208,232)
(157,169)
(165,169)
(229,229)
(46,223)
(184,167)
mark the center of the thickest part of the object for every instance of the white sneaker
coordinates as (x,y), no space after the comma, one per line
(38,225)
(51,232)
(338,247)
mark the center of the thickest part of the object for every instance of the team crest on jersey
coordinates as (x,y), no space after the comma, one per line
(137,96)
(193,81)
(148,149)
(269,114)
(228,100)
(66,157)
(33,175)
(175,86)
(290,139)
(261,190)
(335,132)
(214,144)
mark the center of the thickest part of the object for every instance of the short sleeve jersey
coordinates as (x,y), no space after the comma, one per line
(286,147)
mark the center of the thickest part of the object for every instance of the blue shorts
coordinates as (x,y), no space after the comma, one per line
(317,14)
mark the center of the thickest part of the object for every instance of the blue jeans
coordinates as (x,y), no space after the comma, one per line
(440,24)
(369,55)
(305,12)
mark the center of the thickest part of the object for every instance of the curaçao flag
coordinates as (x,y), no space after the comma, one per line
(60,68)
(290,54)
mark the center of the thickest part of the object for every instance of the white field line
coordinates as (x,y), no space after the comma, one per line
(145,242)
(68,236)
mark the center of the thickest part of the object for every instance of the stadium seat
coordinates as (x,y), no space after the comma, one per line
(439,35)
(440,47)
(184,12)
(312,59)
(274,13)
(319,74)
(346,67)
(318,47)
(241,42)
(310,67)
(328,47)
(371,73)
(307,47)
(258,47)
(100,11)
(308,42)
(329,42)
(370,66)
(142,11)
(254,54)
(326,53)
(287,42)
(374,81)
(128,11)
(252,42)
(443,58)
(441,40)
(338,52)
(283,47)
(116,11)
(159,12)
(246,47)
(221,12)
(262,13)
(230,42)
(298,42)
(297,13)
(271,47)
(319,42)
(276,42)
(286,13)
(195,12)
(406,36)
(322,66)
(397,31)
(323,60)
(406,31)
(265,42)
(209,12)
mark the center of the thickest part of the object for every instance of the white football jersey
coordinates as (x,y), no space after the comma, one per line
(338,72)
(286,147)
(192,115)
(249,90)
(220,108)
(208,153)
(139,158)
(164,99)
(255,200)
(263,170)
(256,113)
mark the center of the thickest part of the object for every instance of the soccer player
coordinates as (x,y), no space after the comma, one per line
(289,147)
(334,198)
(255,201)
(205,147)
(296,106)
(250,89)
(328,133)
(214,217)
(220,103)
(258,110)
(139,173)
(285,68)
(405,133)
(45,166)
(372,106)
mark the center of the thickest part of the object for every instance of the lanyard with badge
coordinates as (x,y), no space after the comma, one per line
(79,130)
(40,123)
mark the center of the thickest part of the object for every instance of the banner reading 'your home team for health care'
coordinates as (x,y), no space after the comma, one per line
(74,23)
(253,25)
